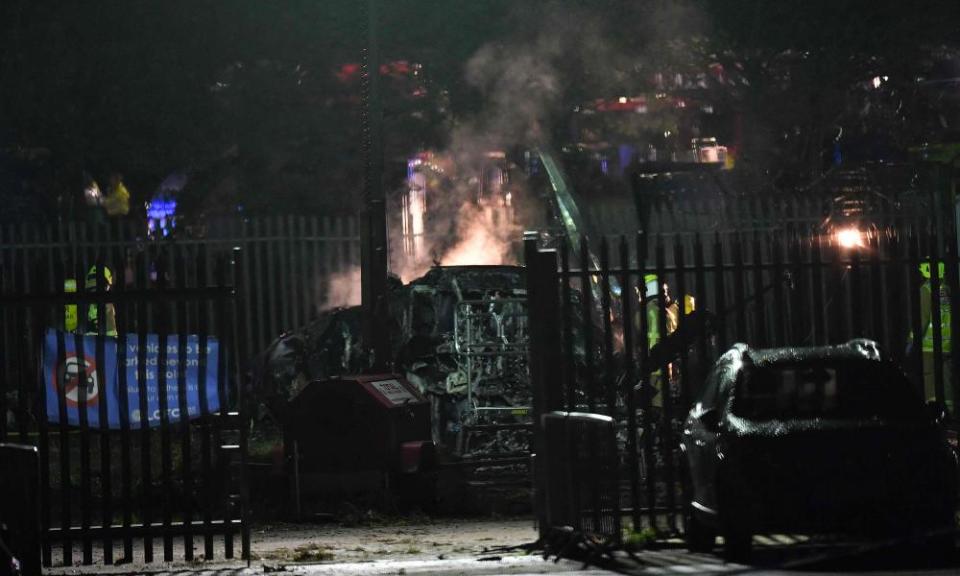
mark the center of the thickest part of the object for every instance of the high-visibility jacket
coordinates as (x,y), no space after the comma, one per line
(926,307)
(117,202)
(659,378)
(93,320)
(70,319)
(110,312)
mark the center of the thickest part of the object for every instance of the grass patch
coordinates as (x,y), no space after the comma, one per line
(638,540)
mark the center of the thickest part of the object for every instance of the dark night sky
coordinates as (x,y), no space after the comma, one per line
(117,85)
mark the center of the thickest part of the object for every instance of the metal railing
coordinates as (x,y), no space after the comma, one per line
(290,260)
(129,383)
(601,344)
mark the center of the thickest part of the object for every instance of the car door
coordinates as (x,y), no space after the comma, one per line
(700,440)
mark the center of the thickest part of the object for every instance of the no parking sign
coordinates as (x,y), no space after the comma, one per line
(81,382)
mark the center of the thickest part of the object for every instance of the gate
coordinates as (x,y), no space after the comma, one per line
(603,345)
(122,367)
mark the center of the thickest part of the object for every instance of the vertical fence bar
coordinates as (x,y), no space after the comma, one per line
(801,320)
(106,486)
(207,494)
(49,318)
(879,296)
(186,449)
(647,389)
(588,325)
(6,334)
(686,376)
(305,269)
(163,366)
(935,315)
(913,295)
(666,392)
(858,328)
(253,343)
(822,335)
(23,359)
(66,483)
(126,474)
(899,324)
(288,286)
(145,263)
(570,374)
(781,317)
(609,377)
(274,254)
(720,299)
(630,376)
(330,250)
(279,276)
(838,314)
(544,361)
(700,290)
(739,292)
(236,335)
(263,335)
(315,267)
(86,496)
(607,306)
(953,287)
(759,296)
(223,400)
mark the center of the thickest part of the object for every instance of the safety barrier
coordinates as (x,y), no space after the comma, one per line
(630,333)
(129,385)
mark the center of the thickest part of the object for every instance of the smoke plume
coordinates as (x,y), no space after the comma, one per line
(527,80)
(342,289)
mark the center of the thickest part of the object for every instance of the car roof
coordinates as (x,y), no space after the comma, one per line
(860,350)
(741,358)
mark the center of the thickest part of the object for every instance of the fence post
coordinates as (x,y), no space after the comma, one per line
(544,355)
(20,509)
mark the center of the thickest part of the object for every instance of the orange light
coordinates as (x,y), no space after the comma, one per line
(850,238)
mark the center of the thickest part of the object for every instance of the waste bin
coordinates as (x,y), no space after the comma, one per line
(357,435)
(580,465)
(19,510)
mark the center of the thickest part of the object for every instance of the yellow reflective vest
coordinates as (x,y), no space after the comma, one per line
(70,310)
(117,202)
(926,307)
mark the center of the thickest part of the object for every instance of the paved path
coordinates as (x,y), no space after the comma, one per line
(476,548)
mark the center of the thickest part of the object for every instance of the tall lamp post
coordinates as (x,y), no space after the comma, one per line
(373,217)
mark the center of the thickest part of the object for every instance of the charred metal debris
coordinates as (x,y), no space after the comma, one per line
(458,333)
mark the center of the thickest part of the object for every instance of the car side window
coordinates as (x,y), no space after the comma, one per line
(727,381)
(710,392)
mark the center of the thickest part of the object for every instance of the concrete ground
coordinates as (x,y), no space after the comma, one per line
(472,547)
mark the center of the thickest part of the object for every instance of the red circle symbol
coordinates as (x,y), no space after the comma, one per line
(71,378)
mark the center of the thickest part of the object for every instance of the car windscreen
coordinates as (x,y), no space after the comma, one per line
(833,390)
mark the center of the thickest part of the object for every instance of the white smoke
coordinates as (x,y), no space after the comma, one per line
(483,238)
(523,80)
(521,85)
(341,289)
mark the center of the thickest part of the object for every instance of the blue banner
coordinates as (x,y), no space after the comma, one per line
(82,381)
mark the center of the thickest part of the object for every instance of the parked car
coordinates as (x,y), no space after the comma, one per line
(821,440)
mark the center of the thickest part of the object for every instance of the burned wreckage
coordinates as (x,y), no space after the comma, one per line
(458,334)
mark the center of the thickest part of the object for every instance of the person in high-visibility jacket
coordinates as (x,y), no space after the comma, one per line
(927,340)
(117,201)
(654,291)
(70,320)
(93,310)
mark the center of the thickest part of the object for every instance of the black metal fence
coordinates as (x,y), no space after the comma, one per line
(123,368)
(602,344)
(296,265)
